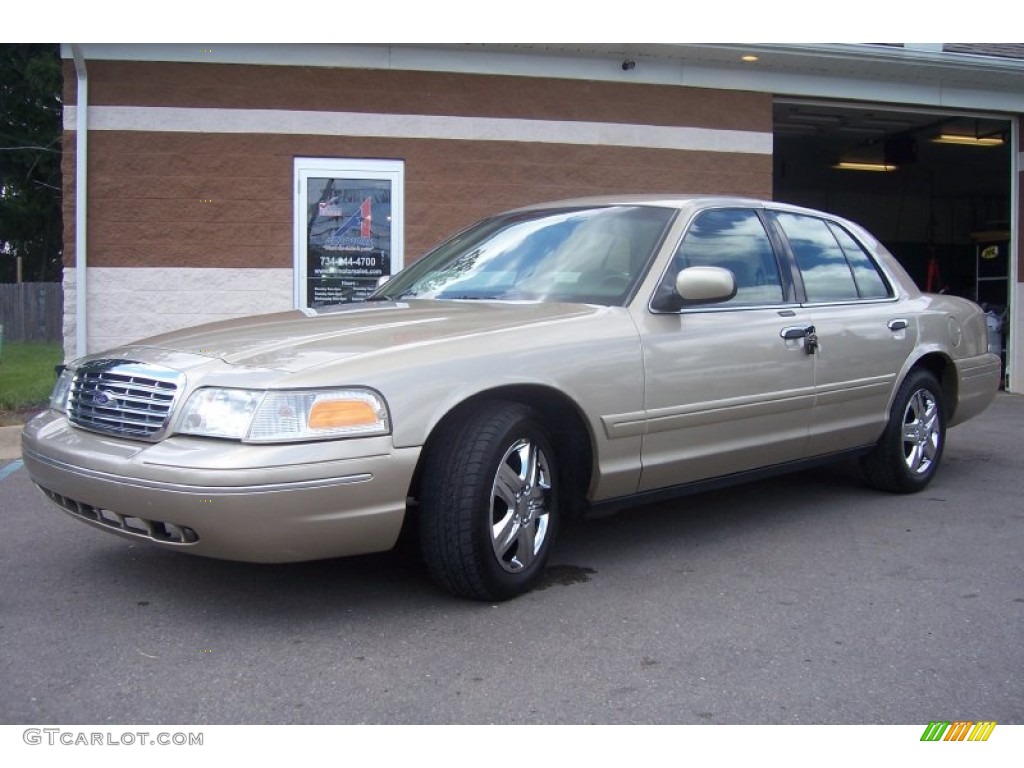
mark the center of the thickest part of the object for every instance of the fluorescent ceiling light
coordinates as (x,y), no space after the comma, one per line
(877,167)
(972,141)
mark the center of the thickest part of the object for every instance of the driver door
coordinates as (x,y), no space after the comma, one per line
(729,386)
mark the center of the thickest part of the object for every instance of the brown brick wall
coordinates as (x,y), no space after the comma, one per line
(161,84)
(226,200)
(201,199)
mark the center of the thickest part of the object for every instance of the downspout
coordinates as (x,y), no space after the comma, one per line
(81,200)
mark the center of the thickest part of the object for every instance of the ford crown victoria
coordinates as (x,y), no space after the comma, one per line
(555,360)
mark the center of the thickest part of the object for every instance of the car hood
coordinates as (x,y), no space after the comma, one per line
(295,341)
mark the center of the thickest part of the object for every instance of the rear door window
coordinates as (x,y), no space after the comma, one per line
(826,273)
(833,264)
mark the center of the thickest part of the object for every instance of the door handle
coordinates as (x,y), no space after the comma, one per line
(899,324)
(793,332)
(806,332)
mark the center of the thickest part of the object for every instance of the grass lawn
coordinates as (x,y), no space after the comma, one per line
(26,378)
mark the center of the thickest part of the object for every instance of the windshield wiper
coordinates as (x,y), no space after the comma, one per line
(389,297)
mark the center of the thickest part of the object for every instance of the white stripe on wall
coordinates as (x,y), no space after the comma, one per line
(130,303)
(279,121)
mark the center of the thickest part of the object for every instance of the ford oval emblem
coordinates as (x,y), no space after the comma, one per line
(102,398)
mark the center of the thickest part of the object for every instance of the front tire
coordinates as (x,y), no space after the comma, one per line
(907,455)
(489,502)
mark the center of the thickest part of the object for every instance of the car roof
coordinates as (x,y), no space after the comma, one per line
(678,201)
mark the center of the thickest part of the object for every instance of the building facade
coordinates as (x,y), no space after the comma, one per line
(204,183)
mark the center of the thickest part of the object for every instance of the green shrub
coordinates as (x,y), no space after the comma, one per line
(27,373)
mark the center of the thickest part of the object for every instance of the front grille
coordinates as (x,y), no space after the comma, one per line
(155,530)
(123,397)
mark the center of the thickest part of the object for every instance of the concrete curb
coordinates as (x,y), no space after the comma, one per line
(10,442)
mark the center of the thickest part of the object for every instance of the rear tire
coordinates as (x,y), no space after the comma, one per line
(908,453)
(489,502)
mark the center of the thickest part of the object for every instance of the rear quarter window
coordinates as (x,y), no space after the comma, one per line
(870,282)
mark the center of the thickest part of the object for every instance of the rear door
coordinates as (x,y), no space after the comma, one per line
(863,338)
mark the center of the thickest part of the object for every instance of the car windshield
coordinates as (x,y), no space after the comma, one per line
(579,255)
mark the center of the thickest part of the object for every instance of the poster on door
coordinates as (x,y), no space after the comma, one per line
(348,238)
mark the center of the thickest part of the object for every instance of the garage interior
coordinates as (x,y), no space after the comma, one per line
(934,188)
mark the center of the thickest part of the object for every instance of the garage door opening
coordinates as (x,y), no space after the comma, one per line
(934,187)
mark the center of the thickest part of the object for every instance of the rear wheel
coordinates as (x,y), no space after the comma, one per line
(907,455)
(489,502)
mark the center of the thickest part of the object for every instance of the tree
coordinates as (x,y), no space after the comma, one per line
(30,161)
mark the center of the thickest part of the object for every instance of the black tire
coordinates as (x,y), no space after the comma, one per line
(480,537)
(908,453)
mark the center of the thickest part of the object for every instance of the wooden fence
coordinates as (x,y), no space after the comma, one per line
(32,311)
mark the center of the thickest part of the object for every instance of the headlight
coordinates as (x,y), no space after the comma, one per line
(276,416)
(59,396)
(220,412)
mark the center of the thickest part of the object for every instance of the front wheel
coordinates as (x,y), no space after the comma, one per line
(489,502)
(907,455)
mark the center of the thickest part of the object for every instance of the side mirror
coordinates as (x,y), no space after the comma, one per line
(695,286)
(700,285)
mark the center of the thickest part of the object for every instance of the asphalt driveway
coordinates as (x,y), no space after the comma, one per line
(804,599)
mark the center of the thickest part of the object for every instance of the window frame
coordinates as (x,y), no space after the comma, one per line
(351,169)
(783,261)
(798,277)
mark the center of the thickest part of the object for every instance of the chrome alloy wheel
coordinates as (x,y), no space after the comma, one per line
(922,432)
(520,505)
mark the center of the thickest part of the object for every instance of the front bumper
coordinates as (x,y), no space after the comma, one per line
(256,503)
